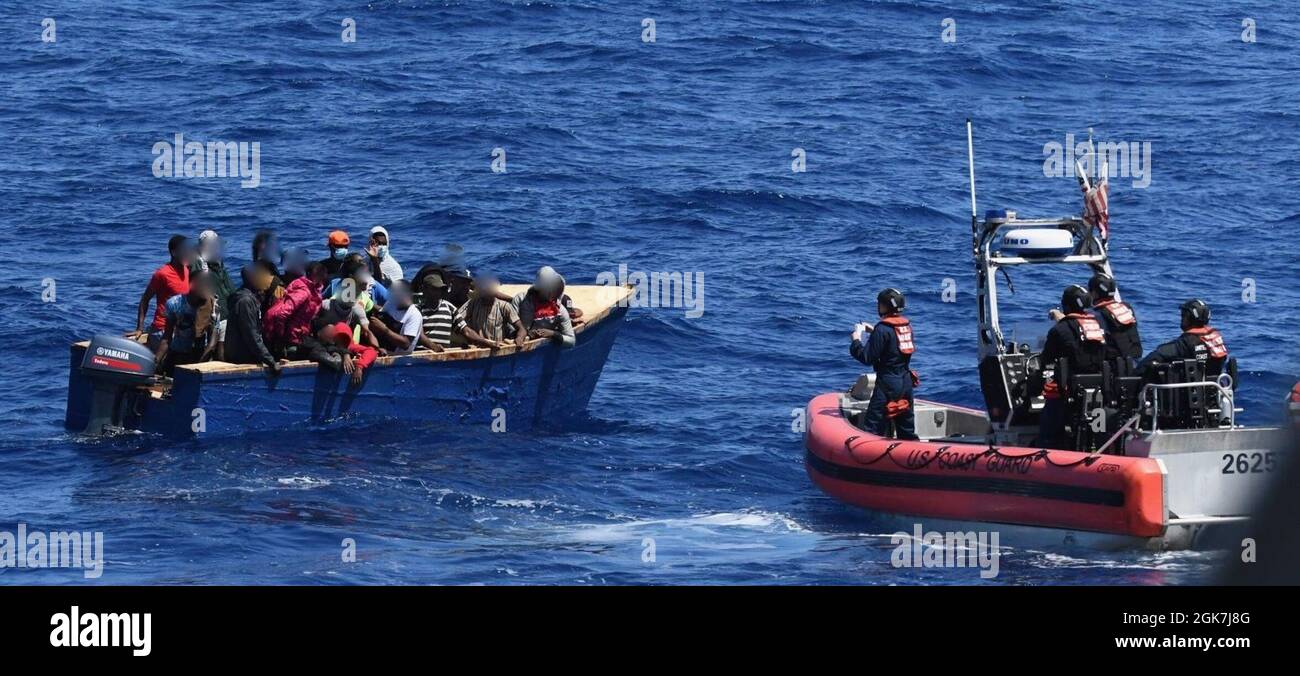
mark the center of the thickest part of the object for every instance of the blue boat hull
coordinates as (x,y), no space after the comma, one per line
(516,390)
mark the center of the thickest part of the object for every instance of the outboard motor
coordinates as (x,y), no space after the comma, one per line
(116,368)
(864,387)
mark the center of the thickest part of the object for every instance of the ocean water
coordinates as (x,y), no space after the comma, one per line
(671,155)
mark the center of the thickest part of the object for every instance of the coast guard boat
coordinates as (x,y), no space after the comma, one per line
(1161,462)
(112,387)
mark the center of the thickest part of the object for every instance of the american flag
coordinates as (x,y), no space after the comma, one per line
(1096,200)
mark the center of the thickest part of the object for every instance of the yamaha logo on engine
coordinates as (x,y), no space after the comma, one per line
(109,352)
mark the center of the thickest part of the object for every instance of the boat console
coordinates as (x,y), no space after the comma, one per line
(1098,407)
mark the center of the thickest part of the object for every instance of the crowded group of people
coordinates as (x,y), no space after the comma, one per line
(1091,327)
(343,311)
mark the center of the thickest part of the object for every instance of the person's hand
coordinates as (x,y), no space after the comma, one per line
(1056,314)
(373,250)
(274,368)
(541,333)
(348,366)
(520,339)
(133,334)
(859,329)
(356,377)
(278,293)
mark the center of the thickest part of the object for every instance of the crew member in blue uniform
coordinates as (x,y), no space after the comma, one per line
(1198,341)
(1117,318)
(888,350)
(1078,338)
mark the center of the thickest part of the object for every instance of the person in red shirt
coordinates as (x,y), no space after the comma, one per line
(332,347)
(169,280)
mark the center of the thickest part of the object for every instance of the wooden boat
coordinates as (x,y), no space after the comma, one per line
(515,387)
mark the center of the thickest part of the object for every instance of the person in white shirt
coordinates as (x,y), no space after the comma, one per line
(403,328)
(383,266)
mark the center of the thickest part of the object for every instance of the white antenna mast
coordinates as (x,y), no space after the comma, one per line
(970,163)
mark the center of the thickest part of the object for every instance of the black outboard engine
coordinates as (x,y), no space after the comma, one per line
(116,367)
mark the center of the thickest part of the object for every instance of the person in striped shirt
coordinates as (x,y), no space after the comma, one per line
(482,320)
(436,309)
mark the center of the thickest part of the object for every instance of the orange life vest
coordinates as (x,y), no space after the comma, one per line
(1089,327)
(1211,339)
(1121,313)
(903,329)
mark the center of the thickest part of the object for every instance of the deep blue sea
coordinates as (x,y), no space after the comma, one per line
(670,155)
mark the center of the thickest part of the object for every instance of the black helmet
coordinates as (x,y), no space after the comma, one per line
(1101,285)
(1196,312)
(1075,299)
(892,299)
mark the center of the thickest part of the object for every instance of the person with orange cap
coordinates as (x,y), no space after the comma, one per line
(337,244)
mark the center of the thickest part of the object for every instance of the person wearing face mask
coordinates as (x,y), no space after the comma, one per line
(383,267)
(337,245)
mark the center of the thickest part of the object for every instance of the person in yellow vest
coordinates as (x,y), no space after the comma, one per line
(889,351)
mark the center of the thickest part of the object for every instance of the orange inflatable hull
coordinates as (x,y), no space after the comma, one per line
(973,482)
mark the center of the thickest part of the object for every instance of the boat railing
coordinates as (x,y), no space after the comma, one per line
(1225,398)
(1068,259)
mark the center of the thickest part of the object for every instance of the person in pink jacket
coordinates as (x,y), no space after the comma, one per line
(288,321)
